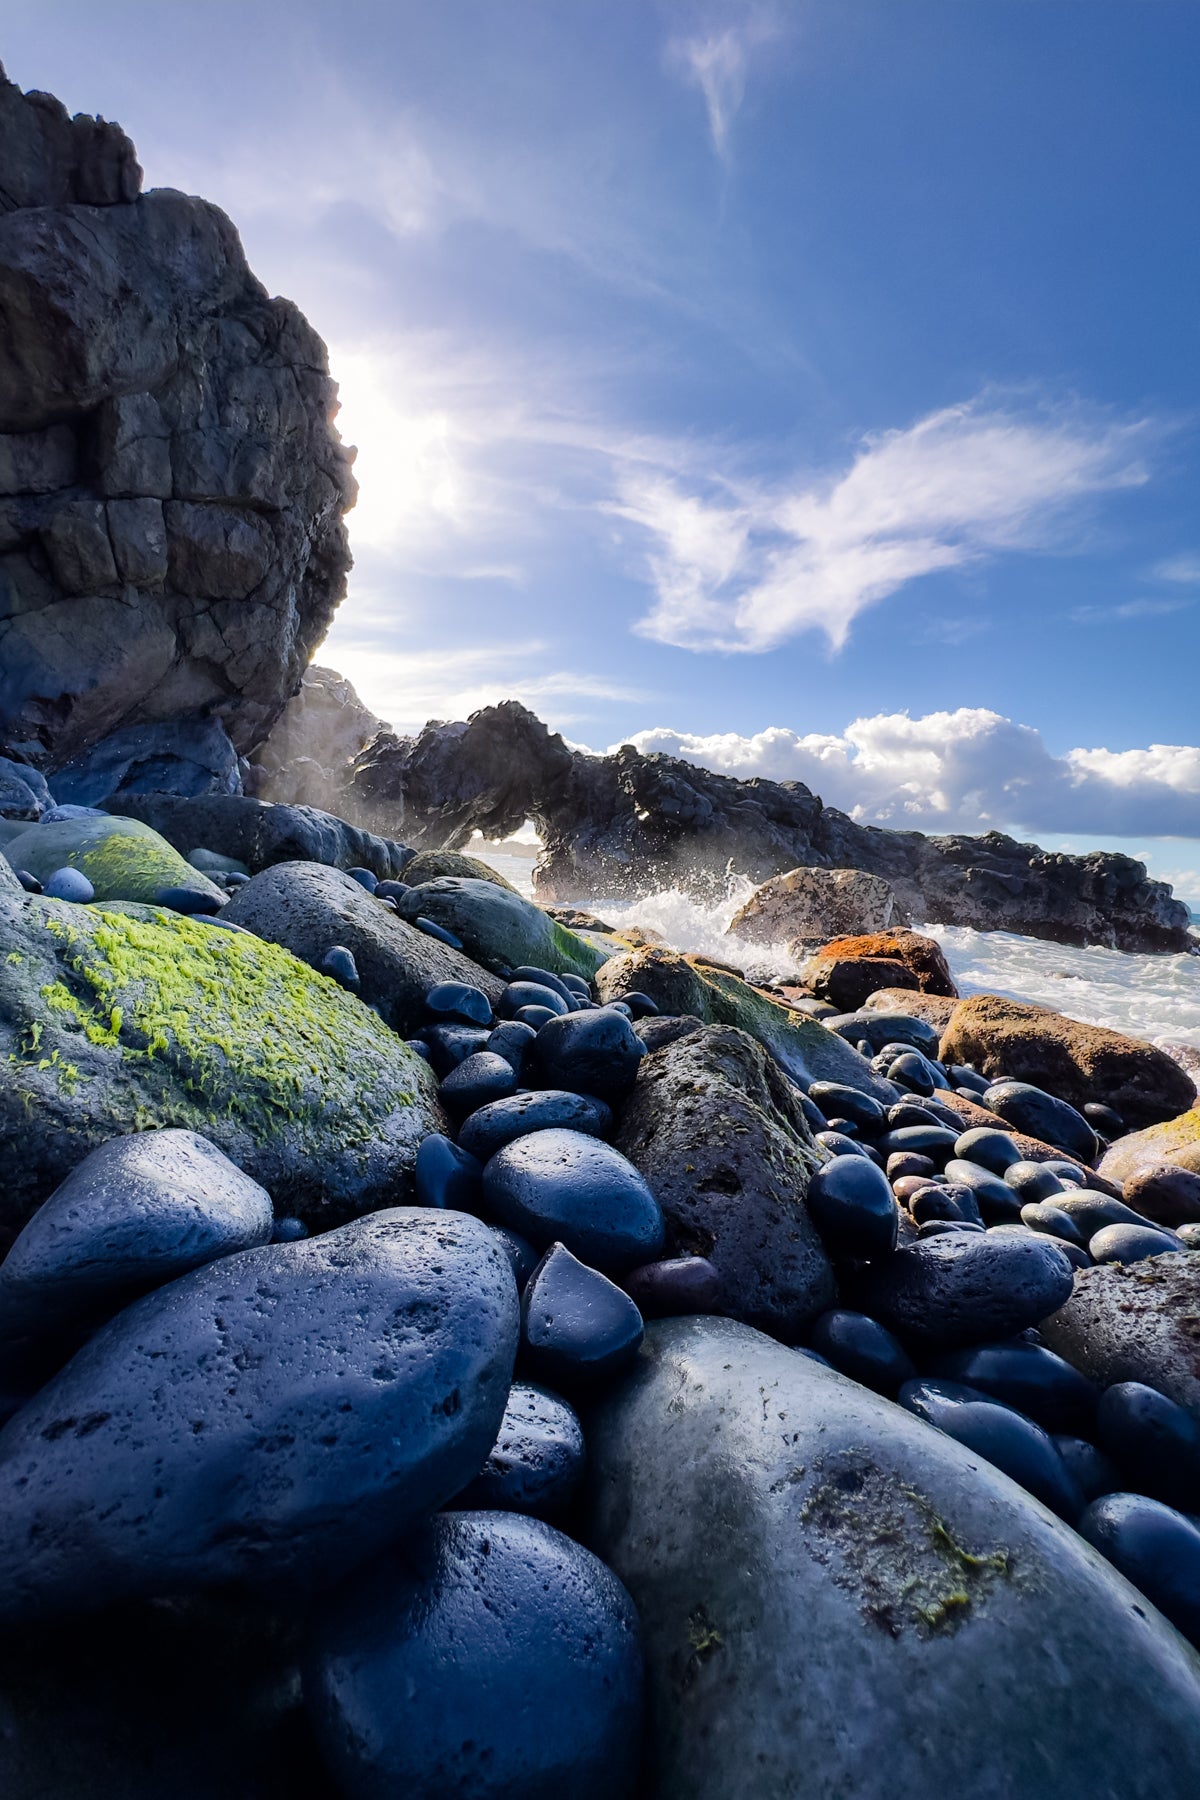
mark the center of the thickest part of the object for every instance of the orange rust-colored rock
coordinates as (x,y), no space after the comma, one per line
(921,956)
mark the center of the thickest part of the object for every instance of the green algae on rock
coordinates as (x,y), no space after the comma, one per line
(1175,1141)
(111,1024)
(122,858)
(432,865)
(499,927)
(687,984)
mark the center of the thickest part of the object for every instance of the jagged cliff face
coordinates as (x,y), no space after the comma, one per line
(171,485)
(629,824)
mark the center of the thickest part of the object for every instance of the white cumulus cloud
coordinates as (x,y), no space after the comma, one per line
(967,770)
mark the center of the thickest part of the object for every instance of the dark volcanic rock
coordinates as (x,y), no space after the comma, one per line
(630,824)
(272,1418)
(259,835)
(721,1139)
(171,484)
(836,1600)
(966,1288)
(1135,1322)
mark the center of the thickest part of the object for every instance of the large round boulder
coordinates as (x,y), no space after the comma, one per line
(271,1419)
(1136,1321)
(837,1599)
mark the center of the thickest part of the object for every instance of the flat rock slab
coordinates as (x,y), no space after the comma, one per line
(111,1024)
(1135,1322)
(681,985)
(308,907)
(273,1418)
(837,1599)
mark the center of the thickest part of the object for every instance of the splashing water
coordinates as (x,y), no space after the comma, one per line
(1156,998)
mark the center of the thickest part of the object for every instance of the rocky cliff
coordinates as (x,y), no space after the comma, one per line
(171,485)
(628,824)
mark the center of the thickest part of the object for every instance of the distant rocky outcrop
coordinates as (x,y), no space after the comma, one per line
(307,757)
(628,824)
(172,545)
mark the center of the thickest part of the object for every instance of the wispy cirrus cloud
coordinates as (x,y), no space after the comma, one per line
(1126,610)
(967,770)
(739,566)
(1184,568)
(716,61)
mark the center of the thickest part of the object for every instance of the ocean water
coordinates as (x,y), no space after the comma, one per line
(1156,998)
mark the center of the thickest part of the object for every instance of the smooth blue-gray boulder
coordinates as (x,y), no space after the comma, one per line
(503,1121)
(837,1600)
(966,1287)
(566,1187)
(271,1419)
(135,1213)
(490,1657)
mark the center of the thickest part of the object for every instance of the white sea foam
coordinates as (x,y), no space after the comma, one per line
(1152,997)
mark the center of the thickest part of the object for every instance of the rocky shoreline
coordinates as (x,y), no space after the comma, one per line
(451,1346)
(548,1358)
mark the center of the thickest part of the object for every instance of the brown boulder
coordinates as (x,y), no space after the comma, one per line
(849,982)
(937,1008)
(1078,1063)
(921,956)
(1177,1141)
(1165,1193)
(809,905)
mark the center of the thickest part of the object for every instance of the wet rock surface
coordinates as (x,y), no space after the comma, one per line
(780,1527)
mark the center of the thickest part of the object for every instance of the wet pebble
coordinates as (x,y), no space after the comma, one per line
(997,1202)
(590,1053)
(851,1204)
(1155,1548)
(935,1141)
(836,1099)
(434,930)
(859,1346)
(639,1005)
(1005,1438)
(1028,1377)
(491,1657)
(1038,1114)
(451,1044)
(1154,1440)
(69,884)
(1165,1193)
(1094,1472)
(1032,1181)
(675,1287)
(967,1287)
(477,1080)
(577,1327)
(988,1147)
(909,1162)
(1043,1215)
(546,1109)
(564,1186)
(536,1463)
(521,994)
(457,1003)
(447,1176)
(365,878)
(512,1040)
(1131,1243)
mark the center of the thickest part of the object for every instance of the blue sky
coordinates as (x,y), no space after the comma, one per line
(811,387)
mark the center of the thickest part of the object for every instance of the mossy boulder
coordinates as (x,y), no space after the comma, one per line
(500,928)
(122,858)
(111,1024)
(1175,1141)
(681,985)
(433,865)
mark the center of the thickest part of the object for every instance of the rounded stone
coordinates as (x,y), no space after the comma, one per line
(850,1202)
(564,1186)
(1165,1194)
(288,1231)
(640,1006)
(447,1175)
(339,964)
(590,1053)
(674,1287)
(535,1017)
(477,1081)
(1092,1471)
(1131,1243)
(433,930)
(522,1257)
(512,1039)
(1155,1548)
(837,1600)
(1038,1114)
(1006,1438)
(863,1349)
(1042,1215)
(269,1420)
(536,1463)
(933,1140)
(836,1099)
(365,878)
(912,1070)
(1028,1377)
(990,1148)
(1032,1181)
(457,1003)
(578,1328)
(494,1657)
(69,884)
(1154,1440)
(451,1044)
(520,994)
(546,978)
(502,1122)
(837,1143)
(192,902)
(967,1287)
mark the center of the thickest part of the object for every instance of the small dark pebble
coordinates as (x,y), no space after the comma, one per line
(577,1327)
(939,1227)
(536,1016)
(288,1231)
(421,1049)
(439,932)
(477,1080)
(188,901)
(1095,1473)
(1043,1215)
(1045,1387)
(639,1005)
(1007,1438)
(458,1003)
(677,1286)
(836,1098)
(512,1039)
(523,1259)
(1131,1243)
(1033,1181)
(998,1203)
(365,878)
(392,890)
(842,1128)
(1155,1548)
(859,1346)
(1154,1440)
(909,1162)
(1103,1119)
(339,964)
(850,1202)
(536,1463)
(838,1144)
(564,1186)
(590,1053)
(546,1109)
(447,1175)
(29,882)
(558,984)
(990,1148)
